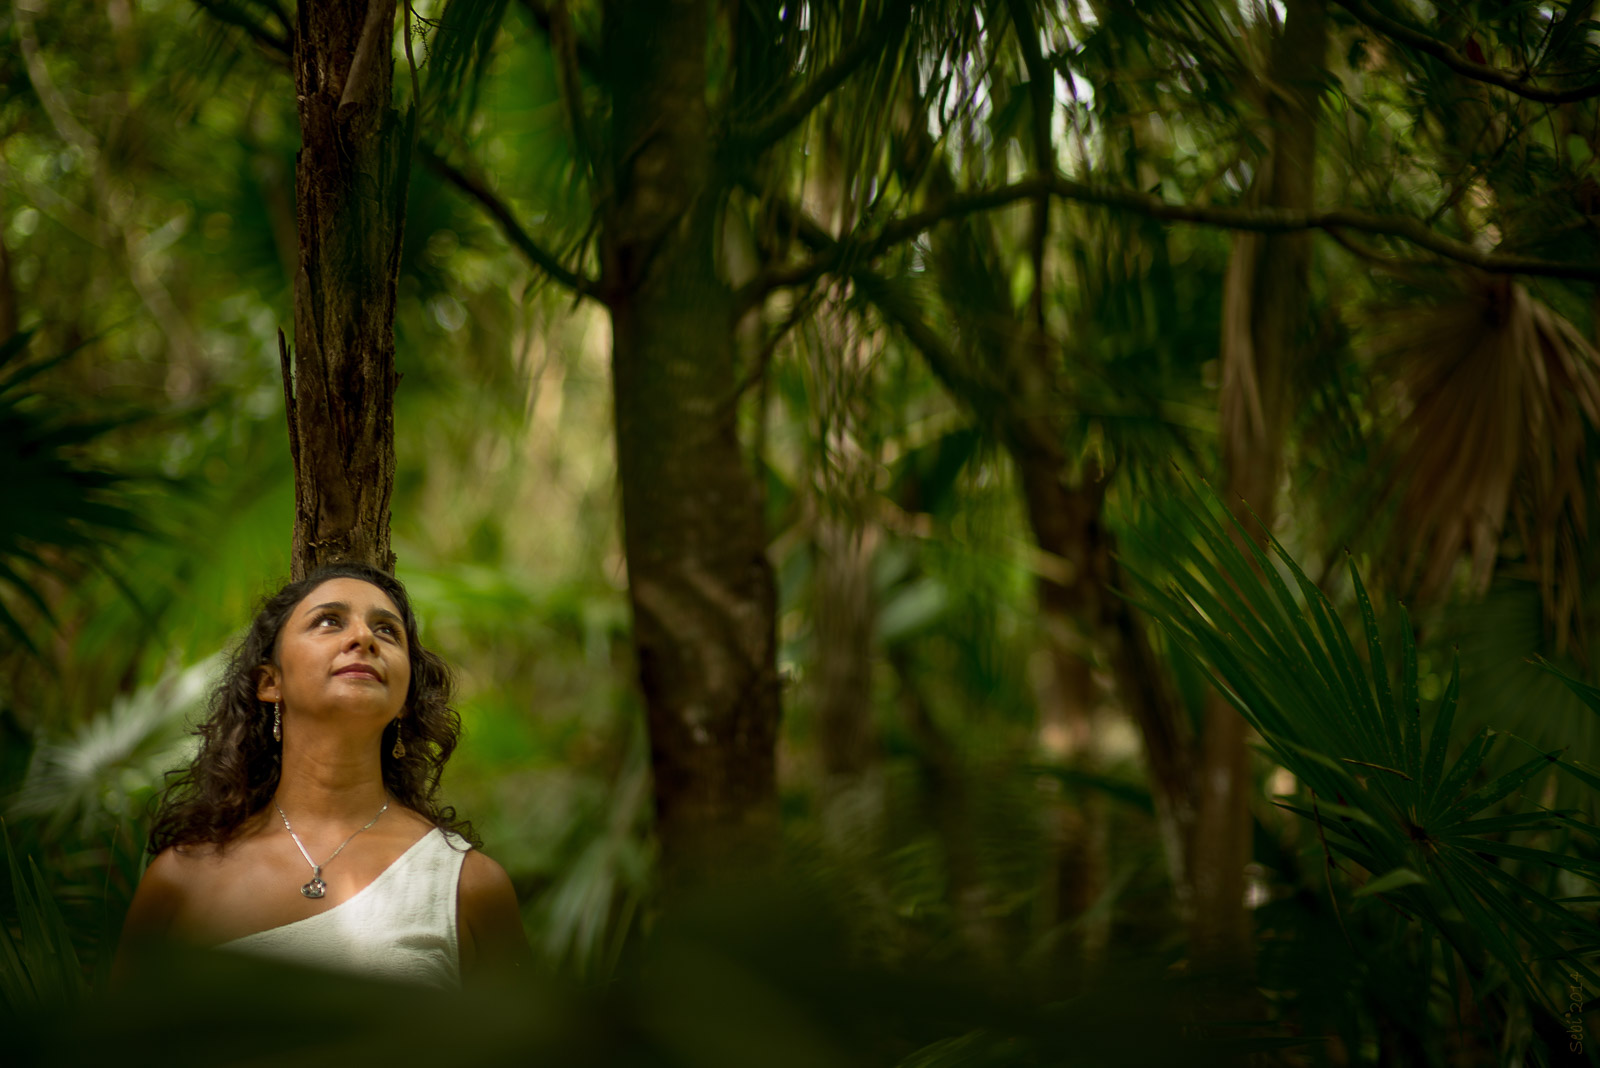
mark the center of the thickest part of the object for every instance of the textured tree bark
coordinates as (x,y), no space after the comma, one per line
(701,588)
(844,610)
(350,189)
(1269,293)
(1085,617)
(1066,524)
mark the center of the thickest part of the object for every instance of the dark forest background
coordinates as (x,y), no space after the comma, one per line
(984,532)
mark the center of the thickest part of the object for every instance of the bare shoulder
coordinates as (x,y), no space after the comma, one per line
(485,898)
(167,878)
(170,879)
(153,914)
(488,918)
(184,859)
(482,877)
(167,867)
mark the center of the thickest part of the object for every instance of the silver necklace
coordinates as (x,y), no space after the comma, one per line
(316,887)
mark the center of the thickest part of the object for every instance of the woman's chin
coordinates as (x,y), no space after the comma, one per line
(346,716)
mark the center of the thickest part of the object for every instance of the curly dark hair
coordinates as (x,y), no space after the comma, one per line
(236,771)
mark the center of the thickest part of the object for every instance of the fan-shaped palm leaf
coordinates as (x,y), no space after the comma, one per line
(1501,392)
(103,769)
(1433,838)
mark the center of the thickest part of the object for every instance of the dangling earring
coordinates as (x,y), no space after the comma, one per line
(277,723)
(399,749)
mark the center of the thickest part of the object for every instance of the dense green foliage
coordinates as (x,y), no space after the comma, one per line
(1424,857)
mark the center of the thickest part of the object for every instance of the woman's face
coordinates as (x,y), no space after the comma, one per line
(341,653)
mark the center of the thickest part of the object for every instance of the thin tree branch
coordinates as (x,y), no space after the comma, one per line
(564,43)
(280,49)
(1428,44)
(1362,252)
(757,375)
(1257,220)
(1042,97)
(1477,170)
(775,124)
(897,308)
(509,226)
(542,17)
(472,186)
(752,292)
(281,13)
(1283,220)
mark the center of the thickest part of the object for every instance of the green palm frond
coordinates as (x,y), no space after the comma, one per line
(63,506)
(460,46)
(1433,837)
(39,968)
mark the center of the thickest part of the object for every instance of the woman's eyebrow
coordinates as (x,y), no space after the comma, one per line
(382,613)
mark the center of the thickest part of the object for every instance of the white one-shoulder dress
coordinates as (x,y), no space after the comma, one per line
(400,926)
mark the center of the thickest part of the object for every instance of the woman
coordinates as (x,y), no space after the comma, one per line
(308,827)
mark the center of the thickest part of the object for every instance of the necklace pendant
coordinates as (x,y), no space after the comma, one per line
(316,887)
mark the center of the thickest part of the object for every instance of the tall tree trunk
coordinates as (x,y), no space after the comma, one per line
(844,613)
(1066,524)
(1264,326)
(700,586)
(1011,384)
(844,610)
(350,187)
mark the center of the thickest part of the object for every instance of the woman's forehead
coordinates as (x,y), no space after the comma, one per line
(360,595)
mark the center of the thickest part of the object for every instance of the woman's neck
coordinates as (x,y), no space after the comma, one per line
(330,785)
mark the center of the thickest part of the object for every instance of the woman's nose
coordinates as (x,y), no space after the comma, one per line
(361,635)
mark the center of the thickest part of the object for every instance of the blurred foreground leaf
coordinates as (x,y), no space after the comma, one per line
(110,764)
(39,968)
(747,978)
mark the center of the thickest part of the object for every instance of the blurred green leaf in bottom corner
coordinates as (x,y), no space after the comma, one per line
(39,968)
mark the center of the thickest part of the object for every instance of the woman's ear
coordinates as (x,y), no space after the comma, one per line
(267,684)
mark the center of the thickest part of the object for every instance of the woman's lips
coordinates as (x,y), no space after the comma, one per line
(359,673)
